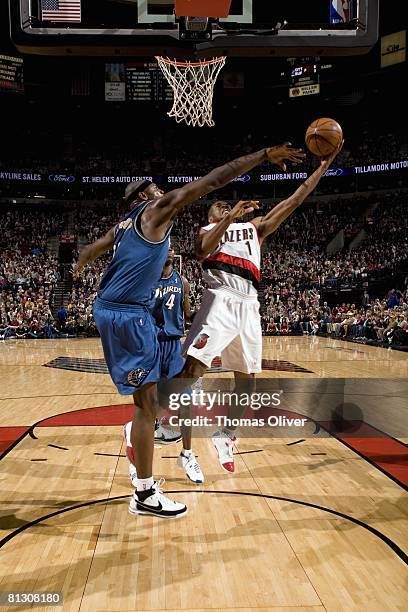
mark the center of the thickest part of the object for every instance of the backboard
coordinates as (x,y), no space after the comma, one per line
(150,27)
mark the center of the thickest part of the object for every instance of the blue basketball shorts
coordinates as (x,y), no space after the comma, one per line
(171,364)
(130,346)
(171,359)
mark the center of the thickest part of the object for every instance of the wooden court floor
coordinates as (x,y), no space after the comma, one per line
(307,522)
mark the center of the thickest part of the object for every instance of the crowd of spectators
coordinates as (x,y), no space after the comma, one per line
(296,268)
(26,292)
(28,273)
(382,322)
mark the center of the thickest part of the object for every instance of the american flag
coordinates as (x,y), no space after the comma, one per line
(61,10)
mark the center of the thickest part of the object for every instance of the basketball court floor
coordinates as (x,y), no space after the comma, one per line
(313,519)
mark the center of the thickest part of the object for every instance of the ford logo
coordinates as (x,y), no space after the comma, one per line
(334,172)
(244,178)
(61,178)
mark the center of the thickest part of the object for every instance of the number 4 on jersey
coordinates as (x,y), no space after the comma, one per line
(170,302)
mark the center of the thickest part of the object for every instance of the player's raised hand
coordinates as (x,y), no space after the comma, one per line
(281,153)
(325,162)
(243,207)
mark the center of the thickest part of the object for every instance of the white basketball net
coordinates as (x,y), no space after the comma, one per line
(193,88)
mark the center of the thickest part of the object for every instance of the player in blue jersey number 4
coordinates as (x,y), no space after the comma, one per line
(122,314)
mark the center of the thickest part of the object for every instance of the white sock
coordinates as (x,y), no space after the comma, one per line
(187,452)
(143,484)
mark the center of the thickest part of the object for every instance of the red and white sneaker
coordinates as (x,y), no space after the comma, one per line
(224,445)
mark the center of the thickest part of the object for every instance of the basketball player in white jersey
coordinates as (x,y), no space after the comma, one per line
(228,322)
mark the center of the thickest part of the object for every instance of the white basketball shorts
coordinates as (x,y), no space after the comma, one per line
(227,324)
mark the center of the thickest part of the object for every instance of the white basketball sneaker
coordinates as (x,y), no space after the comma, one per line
(224,445)
(154,502)
(189,464)
(162,435)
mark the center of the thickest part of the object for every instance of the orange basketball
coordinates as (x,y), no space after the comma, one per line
(323,136)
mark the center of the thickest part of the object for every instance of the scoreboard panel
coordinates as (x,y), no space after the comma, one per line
(140,81)
(145,81)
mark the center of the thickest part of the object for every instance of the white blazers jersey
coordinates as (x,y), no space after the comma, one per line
(228,322)
(236,261)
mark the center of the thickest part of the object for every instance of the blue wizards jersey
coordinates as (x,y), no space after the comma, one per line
(168,309)
(137,263)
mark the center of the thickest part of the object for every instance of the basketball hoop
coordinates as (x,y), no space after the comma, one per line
(193,87)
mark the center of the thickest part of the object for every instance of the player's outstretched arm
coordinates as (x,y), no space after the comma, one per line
(172,202)
(208,240)
(270,222)
(90,252)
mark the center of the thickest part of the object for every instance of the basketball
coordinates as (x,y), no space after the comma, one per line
(323,136)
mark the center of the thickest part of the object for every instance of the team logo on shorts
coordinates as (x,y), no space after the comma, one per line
(201,341)
(136,377)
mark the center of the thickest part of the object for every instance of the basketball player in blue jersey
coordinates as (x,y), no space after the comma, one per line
(171,311)
(140,243)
